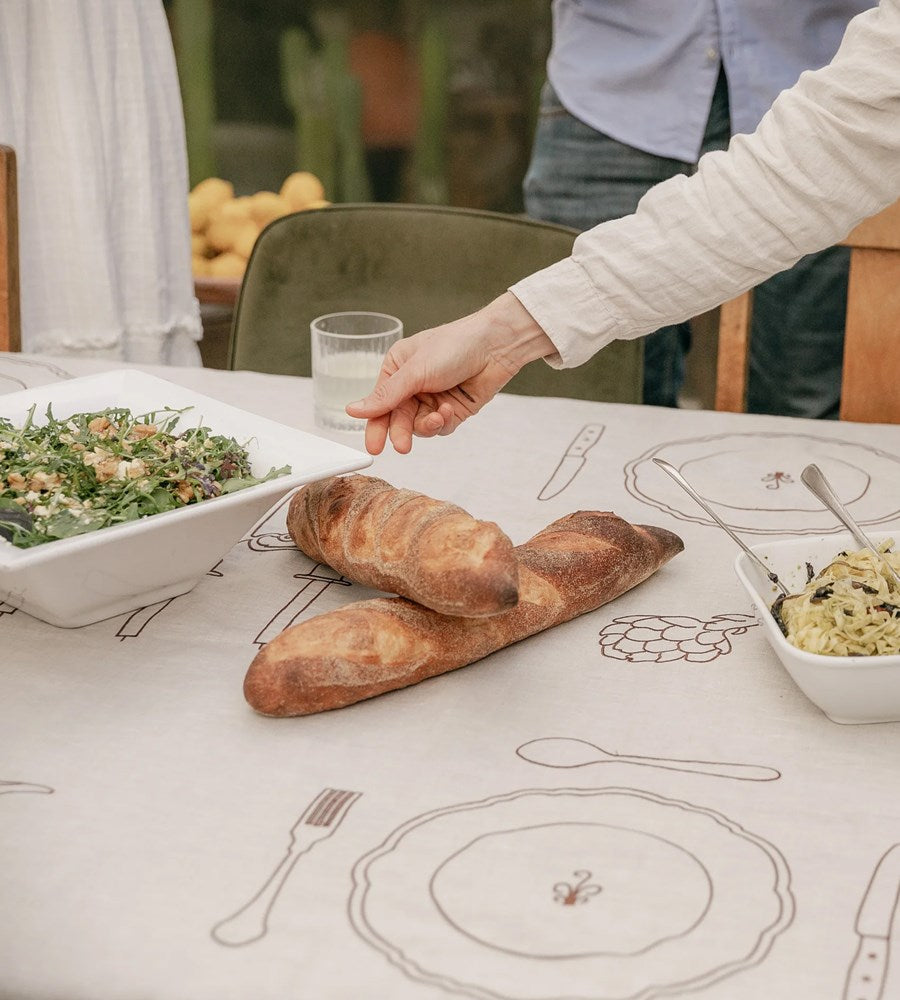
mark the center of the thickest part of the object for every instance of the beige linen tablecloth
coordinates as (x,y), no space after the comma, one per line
(441,840)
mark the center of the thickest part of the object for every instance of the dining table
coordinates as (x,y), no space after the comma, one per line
(637,803)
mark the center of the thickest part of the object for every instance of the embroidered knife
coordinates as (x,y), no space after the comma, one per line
(570,464)
(866,976)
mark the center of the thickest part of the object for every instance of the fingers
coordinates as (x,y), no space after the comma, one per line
(430,422)
(376,434)
(402,424)
(394,411)
(376,427)
(419,419)
(429,384)
(398,380)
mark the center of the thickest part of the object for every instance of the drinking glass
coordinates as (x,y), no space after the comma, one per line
(347,351)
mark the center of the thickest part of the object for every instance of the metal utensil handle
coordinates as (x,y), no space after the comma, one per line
(686,486)
(814,480)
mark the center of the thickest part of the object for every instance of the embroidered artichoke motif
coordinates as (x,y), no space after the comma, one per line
(662,639)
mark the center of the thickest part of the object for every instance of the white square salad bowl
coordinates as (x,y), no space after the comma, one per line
(848,689)
(75,581)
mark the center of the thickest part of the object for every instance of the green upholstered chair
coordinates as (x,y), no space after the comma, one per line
(425,264)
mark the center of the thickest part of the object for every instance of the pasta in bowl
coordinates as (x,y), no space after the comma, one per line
(838,632)
(849,608)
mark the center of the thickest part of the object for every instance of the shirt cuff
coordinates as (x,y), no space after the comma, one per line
(565,304)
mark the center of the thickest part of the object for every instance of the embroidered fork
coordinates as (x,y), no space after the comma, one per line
(319,820)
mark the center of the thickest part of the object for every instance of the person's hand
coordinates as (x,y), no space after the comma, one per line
(433,381)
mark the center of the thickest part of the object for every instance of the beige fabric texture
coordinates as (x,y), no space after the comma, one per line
(174,844)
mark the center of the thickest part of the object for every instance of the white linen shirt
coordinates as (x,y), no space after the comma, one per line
(825,157)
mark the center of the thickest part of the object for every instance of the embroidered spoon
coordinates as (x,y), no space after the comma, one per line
(564,751)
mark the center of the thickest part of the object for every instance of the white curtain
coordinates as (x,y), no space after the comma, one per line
(89,99)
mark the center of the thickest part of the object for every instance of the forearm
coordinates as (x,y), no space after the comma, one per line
(826,156)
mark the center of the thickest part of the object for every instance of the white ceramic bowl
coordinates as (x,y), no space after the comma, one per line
(75,581)
(848,689)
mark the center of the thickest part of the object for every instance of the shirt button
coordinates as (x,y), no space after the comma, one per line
(712,54)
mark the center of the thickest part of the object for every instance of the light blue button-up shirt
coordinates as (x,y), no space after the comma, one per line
(644,71)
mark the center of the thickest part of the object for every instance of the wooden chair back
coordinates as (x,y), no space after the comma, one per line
(870,386)
(10,324)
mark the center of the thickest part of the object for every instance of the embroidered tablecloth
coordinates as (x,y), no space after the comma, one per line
(636,804)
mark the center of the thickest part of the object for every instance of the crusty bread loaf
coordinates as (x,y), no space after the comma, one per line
(574,565)
(405,543)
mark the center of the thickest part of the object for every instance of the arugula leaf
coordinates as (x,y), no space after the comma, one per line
(89,470)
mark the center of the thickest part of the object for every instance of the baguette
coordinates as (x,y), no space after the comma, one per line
(574,565)
(405,543)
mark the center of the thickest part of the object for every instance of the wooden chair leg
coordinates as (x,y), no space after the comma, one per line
(10,322)
(870,388)
(734,347)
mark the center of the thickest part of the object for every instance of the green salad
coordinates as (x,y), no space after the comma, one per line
(90,470)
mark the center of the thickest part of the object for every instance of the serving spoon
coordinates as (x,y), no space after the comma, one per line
(814,480)
(691,492)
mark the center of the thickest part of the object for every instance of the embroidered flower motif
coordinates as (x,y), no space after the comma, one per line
(775,479)
(572,893)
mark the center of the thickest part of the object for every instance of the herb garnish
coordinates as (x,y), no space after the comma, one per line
(91,470)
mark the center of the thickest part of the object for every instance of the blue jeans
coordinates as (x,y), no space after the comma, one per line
(580,177)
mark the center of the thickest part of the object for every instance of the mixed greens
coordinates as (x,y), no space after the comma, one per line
(91,470)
